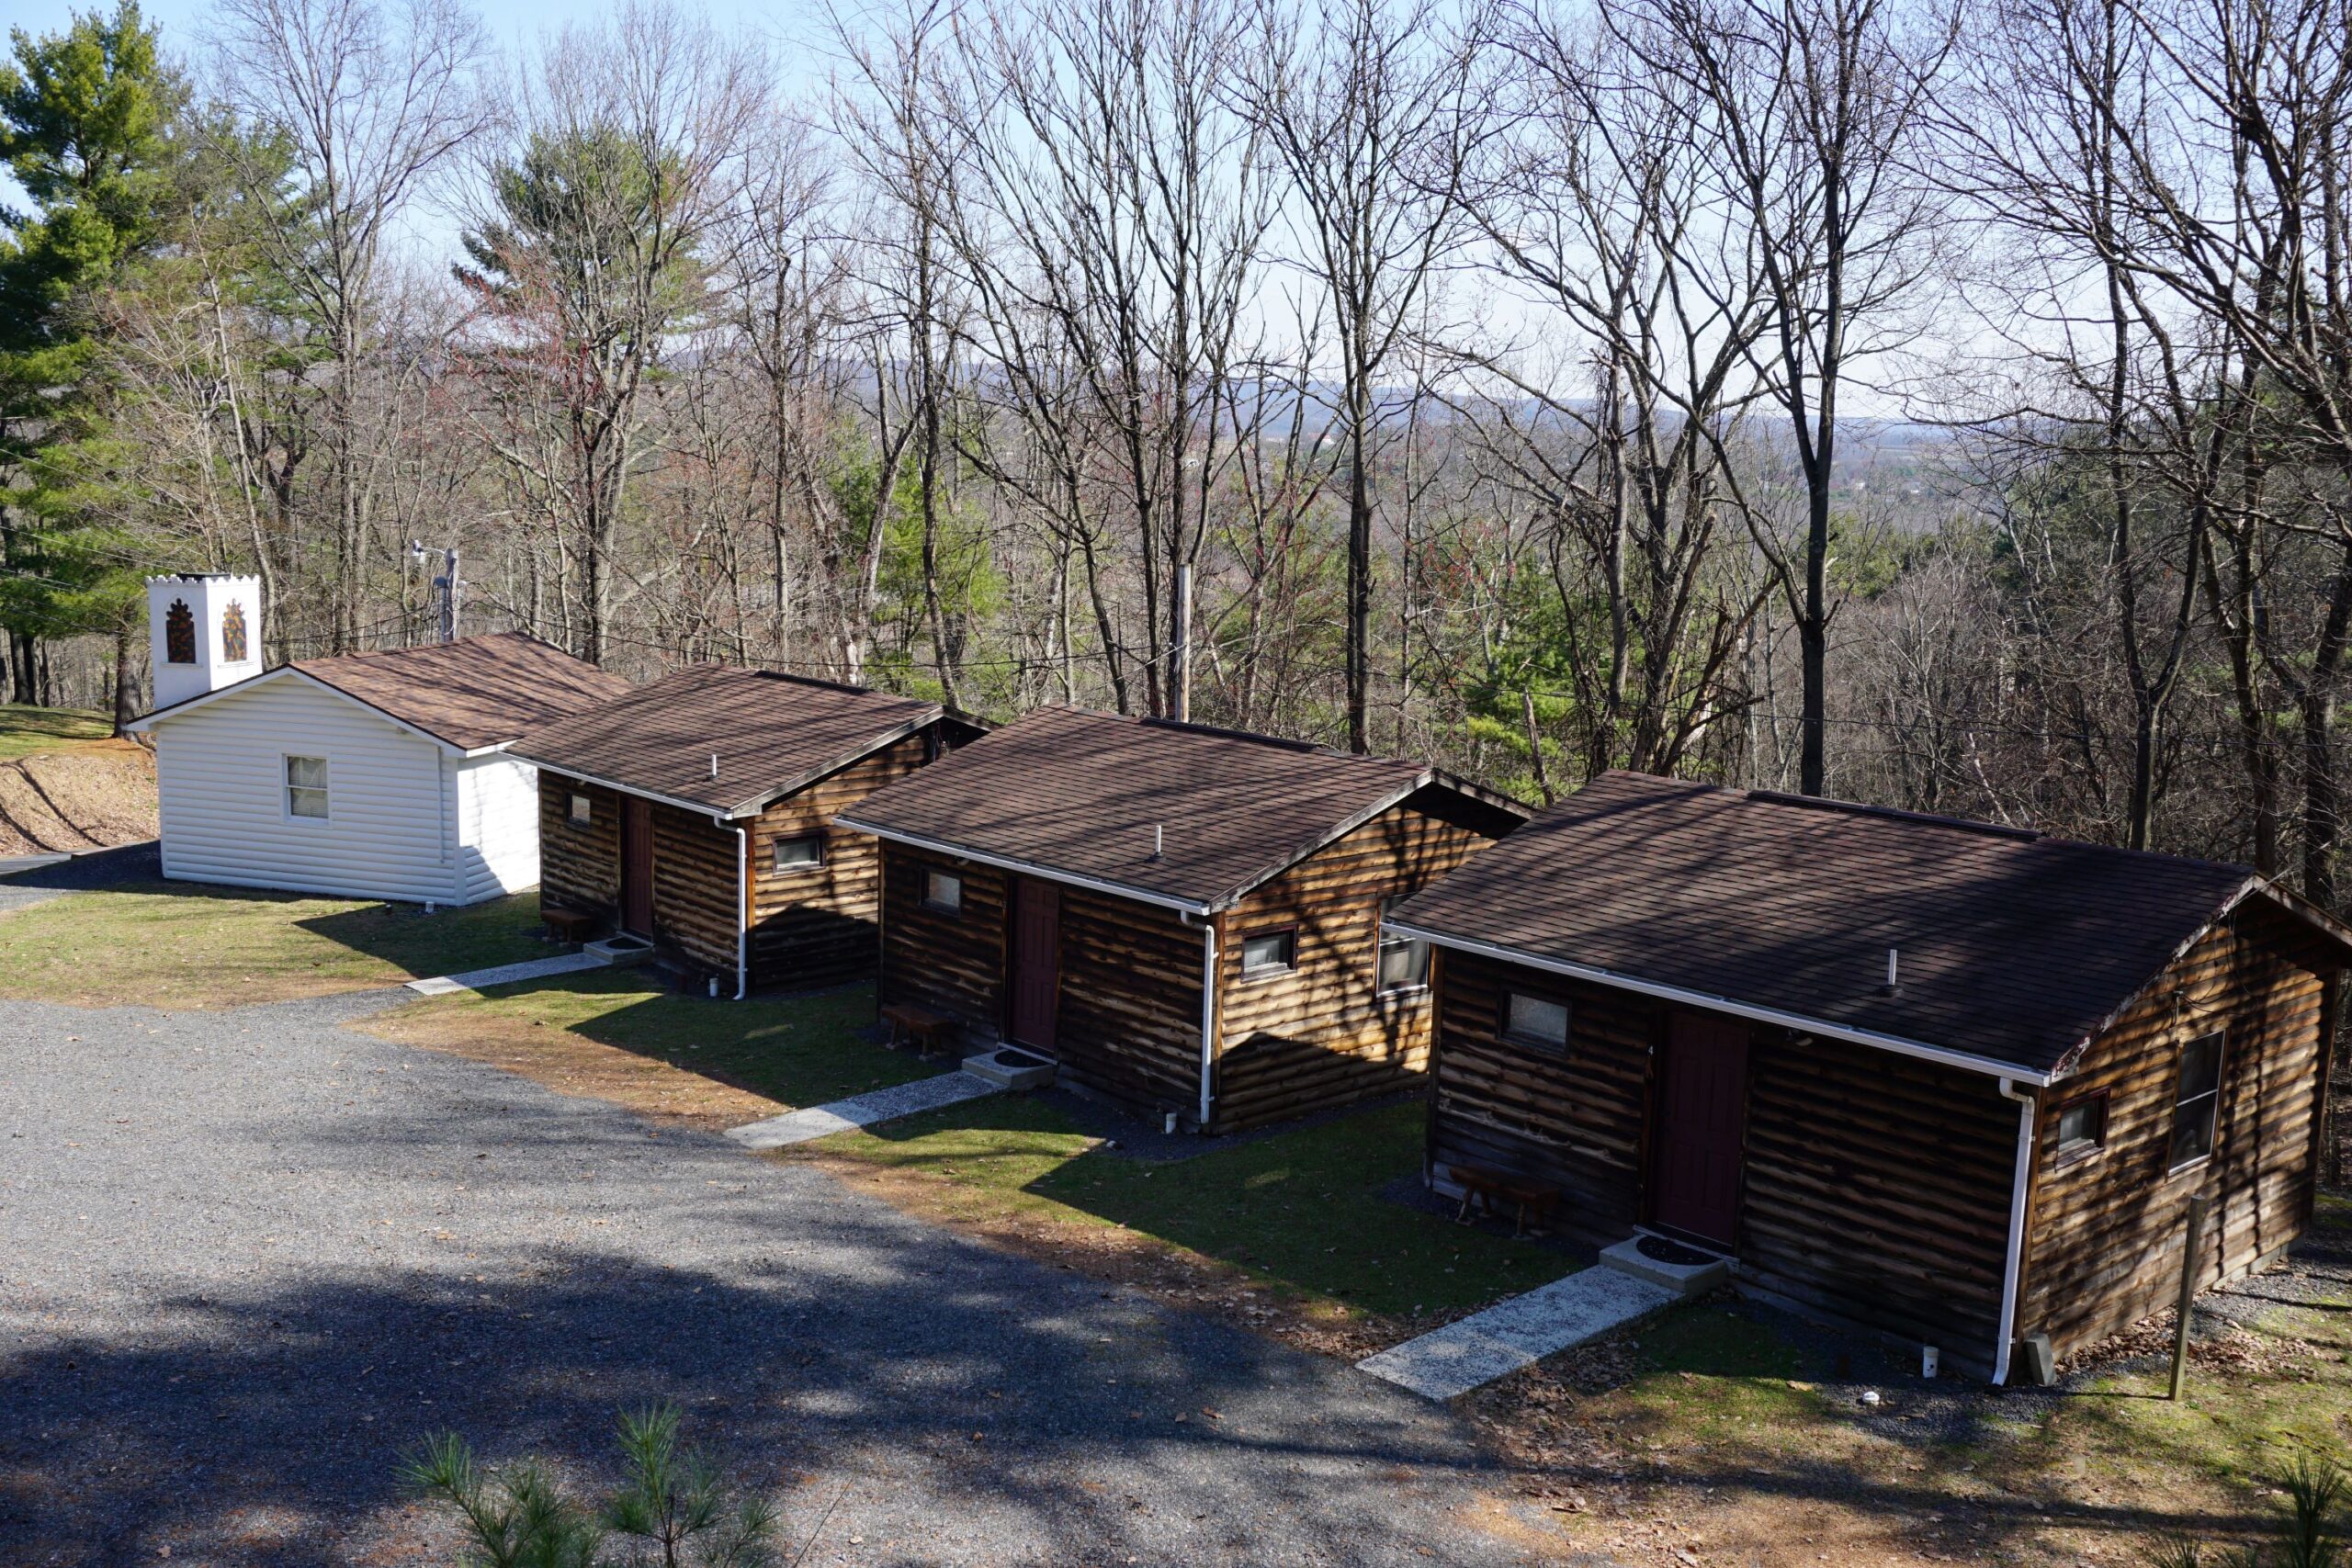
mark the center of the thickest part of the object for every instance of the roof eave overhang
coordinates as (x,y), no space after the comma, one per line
(1900,1045)
(2292,903)
(285,671)
(1324,840)
(890,737)
(699,807)
(756,803)
(1025,867)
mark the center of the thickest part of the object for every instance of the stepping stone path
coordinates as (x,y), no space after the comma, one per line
(1473,1351)
(506,974)
(861,1110)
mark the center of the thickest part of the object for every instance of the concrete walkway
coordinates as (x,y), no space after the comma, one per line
(861,1110)
(1476,1350)
(506,974)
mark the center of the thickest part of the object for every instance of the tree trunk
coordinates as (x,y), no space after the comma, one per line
(125,709)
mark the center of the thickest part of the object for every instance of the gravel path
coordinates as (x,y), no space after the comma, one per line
(247,1257)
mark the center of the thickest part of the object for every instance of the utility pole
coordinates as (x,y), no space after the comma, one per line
(445,586)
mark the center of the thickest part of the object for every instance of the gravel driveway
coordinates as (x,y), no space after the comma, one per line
(246,1258)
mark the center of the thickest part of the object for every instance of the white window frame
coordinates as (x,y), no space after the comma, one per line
(2212,1098)
(1543,1044)
(1288,964)
(1386,944)
(932,876)
(286,788)
(778,867)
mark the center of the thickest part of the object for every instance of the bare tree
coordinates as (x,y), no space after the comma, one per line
(1598,210)
(1367,104)
(1123,198)
(600,198)
(365,101)
(1810,112)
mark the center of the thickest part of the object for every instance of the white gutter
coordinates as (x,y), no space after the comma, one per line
(723,816)
(2018,1181)
(743,907)
(1870,1037)
(1208,1014)
(1025,868)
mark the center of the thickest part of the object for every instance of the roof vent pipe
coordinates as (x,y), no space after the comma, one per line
(1158,839)
(1893,987)
(713,764)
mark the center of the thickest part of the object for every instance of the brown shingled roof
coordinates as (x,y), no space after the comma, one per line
(2016,947)
(771,733)
(475,692)
(1078,793)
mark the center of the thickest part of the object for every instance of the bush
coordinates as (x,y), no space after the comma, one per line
(672,1508)
(2307,1537)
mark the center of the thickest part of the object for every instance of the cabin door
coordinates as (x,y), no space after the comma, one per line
(1036,960)
(637,866)
(1702,1124)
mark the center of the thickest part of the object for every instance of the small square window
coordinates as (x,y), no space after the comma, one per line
(1534,1021)
(306,786)
(799,854)
(2082,1127)
(584,812)
(1403,961)
(1270,953)
(942,891)
(2197,1100)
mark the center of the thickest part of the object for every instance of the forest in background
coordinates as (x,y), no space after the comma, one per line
(1943,403)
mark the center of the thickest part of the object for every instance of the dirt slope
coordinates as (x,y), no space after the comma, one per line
(77,797)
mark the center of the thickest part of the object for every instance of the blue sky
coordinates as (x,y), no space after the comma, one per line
(517,21)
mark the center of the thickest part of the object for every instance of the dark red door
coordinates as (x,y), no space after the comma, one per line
(637,866)
(1701,1123)
(1036,960)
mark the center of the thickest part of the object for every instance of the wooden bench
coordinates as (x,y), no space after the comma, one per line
(570,925)
(927,1029)
(1486,1188)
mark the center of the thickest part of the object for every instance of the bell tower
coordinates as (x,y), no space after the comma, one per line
(203,633)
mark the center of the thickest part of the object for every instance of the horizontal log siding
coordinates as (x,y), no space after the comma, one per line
(697,907)
(816,927)
(1876,1189)
(950,964)
(1129,1023)
(1575,1122)
(1323,1035)
(1877,1192)
(579,868)
(2106,1231)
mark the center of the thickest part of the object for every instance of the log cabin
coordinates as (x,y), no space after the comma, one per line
(1948,1083)
(698,812)
(1186,921)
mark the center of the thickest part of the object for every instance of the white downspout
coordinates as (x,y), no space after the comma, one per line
(1208,1009)
(2018,1183)
(743,911)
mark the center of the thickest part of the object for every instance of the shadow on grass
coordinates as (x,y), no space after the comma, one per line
(447,942)
(798,1050)
(1301,1210)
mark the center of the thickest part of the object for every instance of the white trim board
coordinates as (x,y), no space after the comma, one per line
(1967,1061)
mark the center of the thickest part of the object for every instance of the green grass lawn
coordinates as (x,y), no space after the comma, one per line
(169,944)
(24,730)
(802,1051)
(1302,1210)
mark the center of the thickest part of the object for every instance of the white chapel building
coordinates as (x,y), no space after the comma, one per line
(367,775)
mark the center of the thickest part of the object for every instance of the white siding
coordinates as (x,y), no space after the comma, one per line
(221,774)
(498,827)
